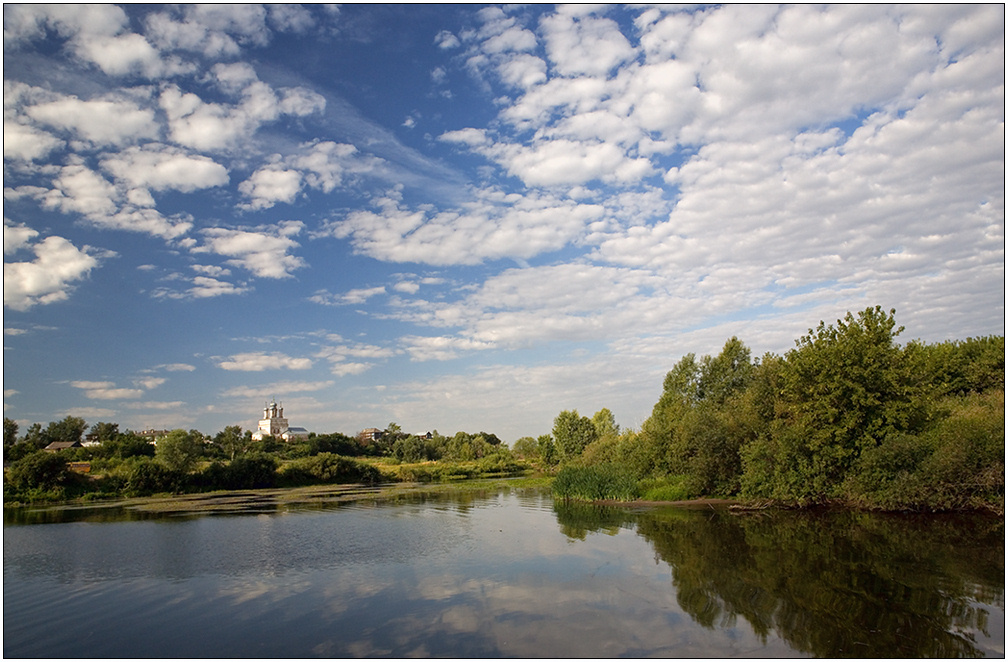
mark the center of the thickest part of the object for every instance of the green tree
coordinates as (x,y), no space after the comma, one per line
(180,450)
(10,432)
(572,432)
(104,432)
(70,428)
(526,448)
(605,423)
(231,441)
(848,386)
(547,449)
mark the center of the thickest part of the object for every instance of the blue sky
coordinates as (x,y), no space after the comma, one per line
(461,217)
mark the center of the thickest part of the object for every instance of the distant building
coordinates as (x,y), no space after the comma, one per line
(369,435)
(274,424)
(60,445)
(153,435)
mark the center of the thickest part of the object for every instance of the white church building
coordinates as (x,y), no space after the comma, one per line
(274,424)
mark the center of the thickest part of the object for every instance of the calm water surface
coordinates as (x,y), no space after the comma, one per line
(504,573)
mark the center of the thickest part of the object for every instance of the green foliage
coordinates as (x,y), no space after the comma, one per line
(10,432)
(231,441)
(848,415)
(70,428)
(668,488)
(41,469)
(547,450)
(245,472)
(103,432)
(144,476)
(605,424)
(328,468)
(595,482)
(526,448)
(572,433)
(179,450)
(124,445)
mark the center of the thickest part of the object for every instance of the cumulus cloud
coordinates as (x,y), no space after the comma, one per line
(106,390)
(78,189)
(90,120)
(58,264)
(493,225)
(97,34)
(259,361)
(212,126)
(27,143)
(321,165)
(270,185)
(264,250)
(162,167)
(345,359)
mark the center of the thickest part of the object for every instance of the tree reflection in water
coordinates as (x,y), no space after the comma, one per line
(830,583)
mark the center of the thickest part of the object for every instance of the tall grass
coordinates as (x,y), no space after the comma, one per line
(605,481)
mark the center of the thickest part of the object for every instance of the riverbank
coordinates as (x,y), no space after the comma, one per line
(263,500)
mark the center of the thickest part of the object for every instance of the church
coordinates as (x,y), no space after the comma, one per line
(274,424)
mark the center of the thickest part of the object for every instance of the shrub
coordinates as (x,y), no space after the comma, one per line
(242,473)
(667,488)
(888,476)
(146,476)
(328,468)
(41,469)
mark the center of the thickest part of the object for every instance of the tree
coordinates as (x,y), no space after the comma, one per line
(104,432)
(70,428)
(547,449)
(231,440)
(10,432)
(605,423)
(180,450)
(848,386)
(572,433)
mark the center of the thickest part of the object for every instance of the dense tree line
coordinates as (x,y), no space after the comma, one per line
(127,464)
(848,416)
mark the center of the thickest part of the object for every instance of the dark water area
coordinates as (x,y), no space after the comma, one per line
(501,573)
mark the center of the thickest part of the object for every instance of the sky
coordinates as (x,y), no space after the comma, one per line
(470,217)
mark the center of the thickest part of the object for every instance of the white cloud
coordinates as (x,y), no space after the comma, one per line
(339,357)
(290,18)
(276,387)
(49,277)
(219,126)
(352,297)
(584,45)
(493,225)
(446,40)
(259,361)
(80,190)
(161,167)
(264,250)
(322,165)
(16,237)
(270,185)
(106,390)
(27,143)
(107,121)
(177,367)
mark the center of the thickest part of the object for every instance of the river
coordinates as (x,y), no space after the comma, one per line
(504,572)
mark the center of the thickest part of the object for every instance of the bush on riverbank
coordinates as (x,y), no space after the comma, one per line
(848,416)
